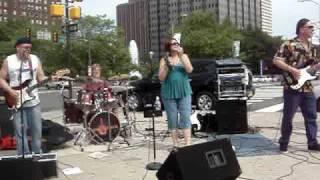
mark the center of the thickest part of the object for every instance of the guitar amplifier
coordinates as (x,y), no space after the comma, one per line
(45,165)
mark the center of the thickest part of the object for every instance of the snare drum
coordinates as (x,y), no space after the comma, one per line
(105,126)
(85,98)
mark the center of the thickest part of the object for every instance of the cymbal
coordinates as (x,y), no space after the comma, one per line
(119,77)
(121,88)
(67,78)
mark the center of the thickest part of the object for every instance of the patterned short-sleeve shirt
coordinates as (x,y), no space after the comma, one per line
(295,54)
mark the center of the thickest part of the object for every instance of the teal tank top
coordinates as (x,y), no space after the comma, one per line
(176,85)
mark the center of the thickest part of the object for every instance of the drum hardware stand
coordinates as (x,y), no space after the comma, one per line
(131,121)
(89,133)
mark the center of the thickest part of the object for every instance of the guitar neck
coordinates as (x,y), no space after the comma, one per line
(314,69)
(38,85)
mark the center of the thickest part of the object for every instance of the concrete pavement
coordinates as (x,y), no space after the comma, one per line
(257,152)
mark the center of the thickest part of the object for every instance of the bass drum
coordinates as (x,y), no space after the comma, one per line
(104,126)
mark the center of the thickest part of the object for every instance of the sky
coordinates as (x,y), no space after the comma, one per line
(285,13)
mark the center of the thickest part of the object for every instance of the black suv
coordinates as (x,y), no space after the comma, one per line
(211,80)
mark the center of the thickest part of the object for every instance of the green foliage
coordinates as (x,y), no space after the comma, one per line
(203,36)
(106,44)
(257,45)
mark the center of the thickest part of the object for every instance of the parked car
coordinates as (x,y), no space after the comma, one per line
(57,84)
(211,80)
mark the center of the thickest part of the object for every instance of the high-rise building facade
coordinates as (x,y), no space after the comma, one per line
(163,15)
(133,17)
(38,11)
(266,16)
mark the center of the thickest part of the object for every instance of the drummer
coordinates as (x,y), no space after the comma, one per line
(96,83)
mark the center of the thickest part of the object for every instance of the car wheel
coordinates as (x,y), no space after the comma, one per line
(134,101)
(205,100)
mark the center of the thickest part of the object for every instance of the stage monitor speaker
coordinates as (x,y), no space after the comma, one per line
(213,160)
(18,169)
(35,167)
(231,117)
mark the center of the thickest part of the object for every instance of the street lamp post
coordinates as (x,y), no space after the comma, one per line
(151,53)
(318,4)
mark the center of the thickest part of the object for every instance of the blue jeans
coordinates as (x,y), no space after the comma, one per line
(180,106)
(32,120)
(307,103)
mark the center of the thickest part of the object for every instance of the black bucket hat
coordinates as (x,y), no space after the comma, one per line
(22,40)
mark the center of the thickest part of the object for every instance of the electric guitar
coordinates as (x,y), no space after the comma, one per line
(16,103)
(307,73)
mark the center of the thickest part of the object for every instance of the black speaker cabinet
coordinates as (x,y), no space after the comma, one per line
(6,125)
(34,167)
(213,160)
(231,117)
(18,169)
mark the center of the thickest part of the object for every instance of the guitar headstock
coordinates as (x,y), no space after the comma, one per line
(61,72)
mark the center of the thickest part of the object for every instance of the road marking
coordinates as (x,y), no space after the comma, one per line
(274,108)
(255,100)
(265,98)
(48,91)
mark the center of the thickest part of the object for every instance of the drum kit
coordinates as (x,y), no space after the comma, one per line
(99,112)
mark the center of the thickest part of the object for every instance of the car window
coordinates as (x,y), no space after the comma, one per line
(154,76)
(200,68)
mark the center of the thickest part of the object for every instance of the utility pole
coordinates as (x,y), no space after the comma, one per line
(159,34)
(67,45)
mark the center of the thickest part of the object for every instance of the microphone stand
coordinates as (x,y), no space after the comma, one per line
(21,112)
(154,165)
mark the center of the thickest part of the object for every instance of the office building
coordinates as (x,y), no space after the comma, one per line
(159,17)
(38,11)
(266,16)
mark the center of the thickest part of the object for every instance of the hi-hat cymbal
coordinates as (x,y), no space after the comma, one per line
(67,78)
(119,77)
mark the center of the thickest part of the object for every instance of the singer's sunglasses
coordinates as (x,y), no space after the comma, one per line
(175,43)
(309,27)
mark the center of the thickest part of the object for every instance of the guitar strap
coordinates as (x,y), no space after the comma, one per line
(30,68)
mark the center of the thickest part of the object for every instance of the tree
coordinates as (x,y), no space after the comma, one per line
(257,45)
(203,36)
(106,44)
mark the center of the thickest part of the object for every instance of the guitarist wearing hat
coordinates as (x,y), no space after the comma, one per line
(24,69)
(293,58)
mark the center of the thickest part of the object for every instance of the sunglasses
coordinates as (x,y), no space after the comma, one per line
(309,27)
(175,43)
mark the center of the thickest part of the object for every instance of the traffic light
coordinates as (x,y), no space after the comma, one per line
(28,33)
(55,37)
